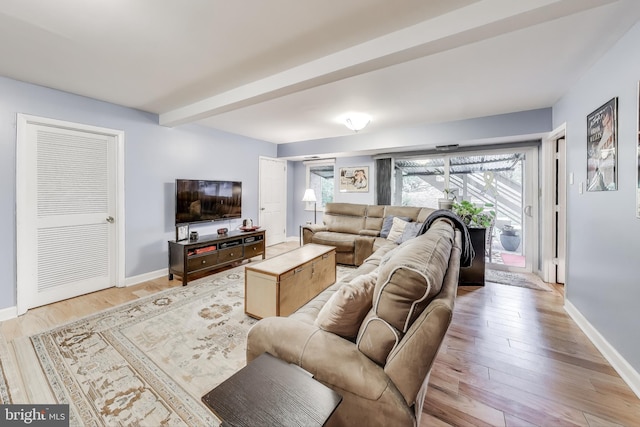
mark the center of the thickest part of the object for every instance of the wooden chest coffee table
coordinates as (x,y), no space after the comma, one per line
(282,284)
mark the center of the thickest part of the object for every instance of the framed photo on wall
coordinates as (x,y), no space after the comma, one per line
(354,179)
(602,148)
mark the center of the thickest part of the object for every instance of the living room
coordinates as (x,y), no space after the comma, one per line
(601,285)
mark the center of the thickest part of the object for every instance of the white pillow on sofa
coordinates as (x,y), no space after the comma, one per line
(397,229)
(344,312)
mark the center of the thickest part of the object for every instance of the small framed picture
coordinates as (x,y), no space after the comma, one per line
(182,232)
(354,179)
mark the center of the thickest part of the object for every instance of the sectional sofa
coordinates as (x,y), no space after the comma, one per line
(358,230)
(373,336)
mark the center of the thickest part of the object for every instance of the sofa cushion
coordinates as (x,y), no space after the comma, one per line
(411,212)
(344,242)
(345,217)
(388,223)
(345,310)
(412,276)
(377,338)
(375,216)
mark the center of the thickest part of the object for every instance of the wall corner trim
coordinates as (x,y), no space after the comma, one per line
(135,280)
(8,313)
(619,363)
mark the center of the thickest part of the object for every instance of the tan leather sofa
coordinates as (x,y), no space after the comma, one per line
(354,229)
(383,372)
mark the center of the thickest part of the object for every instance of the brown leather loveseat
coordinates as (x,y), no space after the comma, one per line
(355,229)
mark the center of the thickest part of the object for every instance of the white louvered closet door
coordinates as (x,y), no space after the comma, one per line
(70,224)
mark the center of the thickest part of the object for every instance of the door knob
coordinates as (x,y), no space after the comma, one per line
(110,219)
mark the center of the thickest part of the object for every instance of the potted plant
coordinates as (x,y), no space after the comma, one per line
(509,238)
(448,200)
(474,216)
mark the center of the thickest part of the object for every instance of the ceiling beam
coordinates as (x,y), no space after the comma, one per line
(481,20)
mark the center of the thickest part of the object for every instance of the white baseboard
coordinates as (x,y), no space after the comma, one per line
(8,313)
(619,363)
(134,280)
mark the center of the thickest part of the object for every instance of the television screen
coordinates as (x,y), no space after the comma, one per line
(201,200)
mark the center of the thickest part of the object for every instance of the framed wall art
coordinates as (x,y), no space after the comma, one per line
(602,148)
(354,179)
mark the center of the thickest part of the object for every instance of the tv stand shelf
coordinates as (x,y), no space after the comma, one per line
(213,252)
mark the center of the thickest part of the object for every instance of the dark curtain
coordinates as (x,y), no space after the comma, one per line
(383,181)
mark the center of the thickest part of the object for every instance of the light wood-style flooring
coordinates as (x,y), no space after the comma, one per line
(512,357)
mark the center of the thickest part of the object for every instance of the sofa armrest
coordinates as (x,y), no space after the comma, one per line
(331,359)
(314,228)
(370,233)
(308,230)
(363,249)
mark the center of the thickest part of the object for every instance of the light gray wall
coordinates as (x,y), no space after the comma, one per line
(603,232)
(298,180)
(154,157)
(411,138)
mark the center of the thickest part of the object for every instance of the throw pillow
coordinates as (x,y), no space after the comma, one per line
(387,223)
(413,276)
(397,229)
(410,231)
(377,338)
(344,311)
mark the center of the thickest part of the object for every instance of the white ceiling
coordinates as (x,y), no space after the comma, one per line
(284,70)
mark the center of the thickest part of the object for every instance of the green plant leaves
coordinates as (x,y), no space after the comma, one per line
(474,216)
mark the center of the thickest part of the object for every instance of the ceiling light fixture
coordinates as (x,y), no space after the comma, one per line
(356,121)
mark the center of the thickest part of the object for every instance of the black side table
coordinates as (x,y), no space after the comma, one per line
(474,275)
(271,392)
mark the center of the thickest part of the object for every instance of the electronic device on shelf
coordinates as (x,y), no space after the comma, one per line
(230,243)
(223,230)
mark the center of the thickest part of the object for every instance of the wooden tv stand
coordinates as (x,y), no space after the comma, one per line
(213,251)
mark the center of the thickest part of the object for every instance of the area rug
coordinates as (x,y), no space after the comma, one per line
(512,260)
(149,362)
(522,280)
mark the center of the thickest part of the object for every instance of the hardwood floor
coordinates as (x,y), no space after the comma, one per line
(512,357)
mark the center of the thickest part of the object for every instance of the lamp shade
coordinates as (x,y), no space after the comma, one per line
(309,195)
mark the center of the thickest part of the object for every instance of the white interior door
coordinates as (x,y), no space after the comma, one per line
(67,210)
(273,199)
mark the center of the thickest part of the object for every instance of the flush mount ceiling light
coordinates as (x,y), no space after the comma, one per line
(356,121)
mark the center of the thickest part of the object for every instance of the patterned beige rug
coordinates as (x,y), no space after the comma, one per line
(148,362)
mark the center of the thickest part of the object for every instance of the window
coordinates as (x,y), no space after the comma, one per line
(320,178)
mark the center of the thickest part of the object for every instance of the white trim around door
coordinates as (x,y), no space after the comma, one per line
(40,200)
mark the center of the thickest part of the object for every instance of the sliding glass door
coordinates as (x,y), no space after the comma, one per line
(501,180)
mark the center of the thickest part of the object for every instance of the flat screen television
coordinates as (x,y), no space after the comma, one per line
(205,201)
